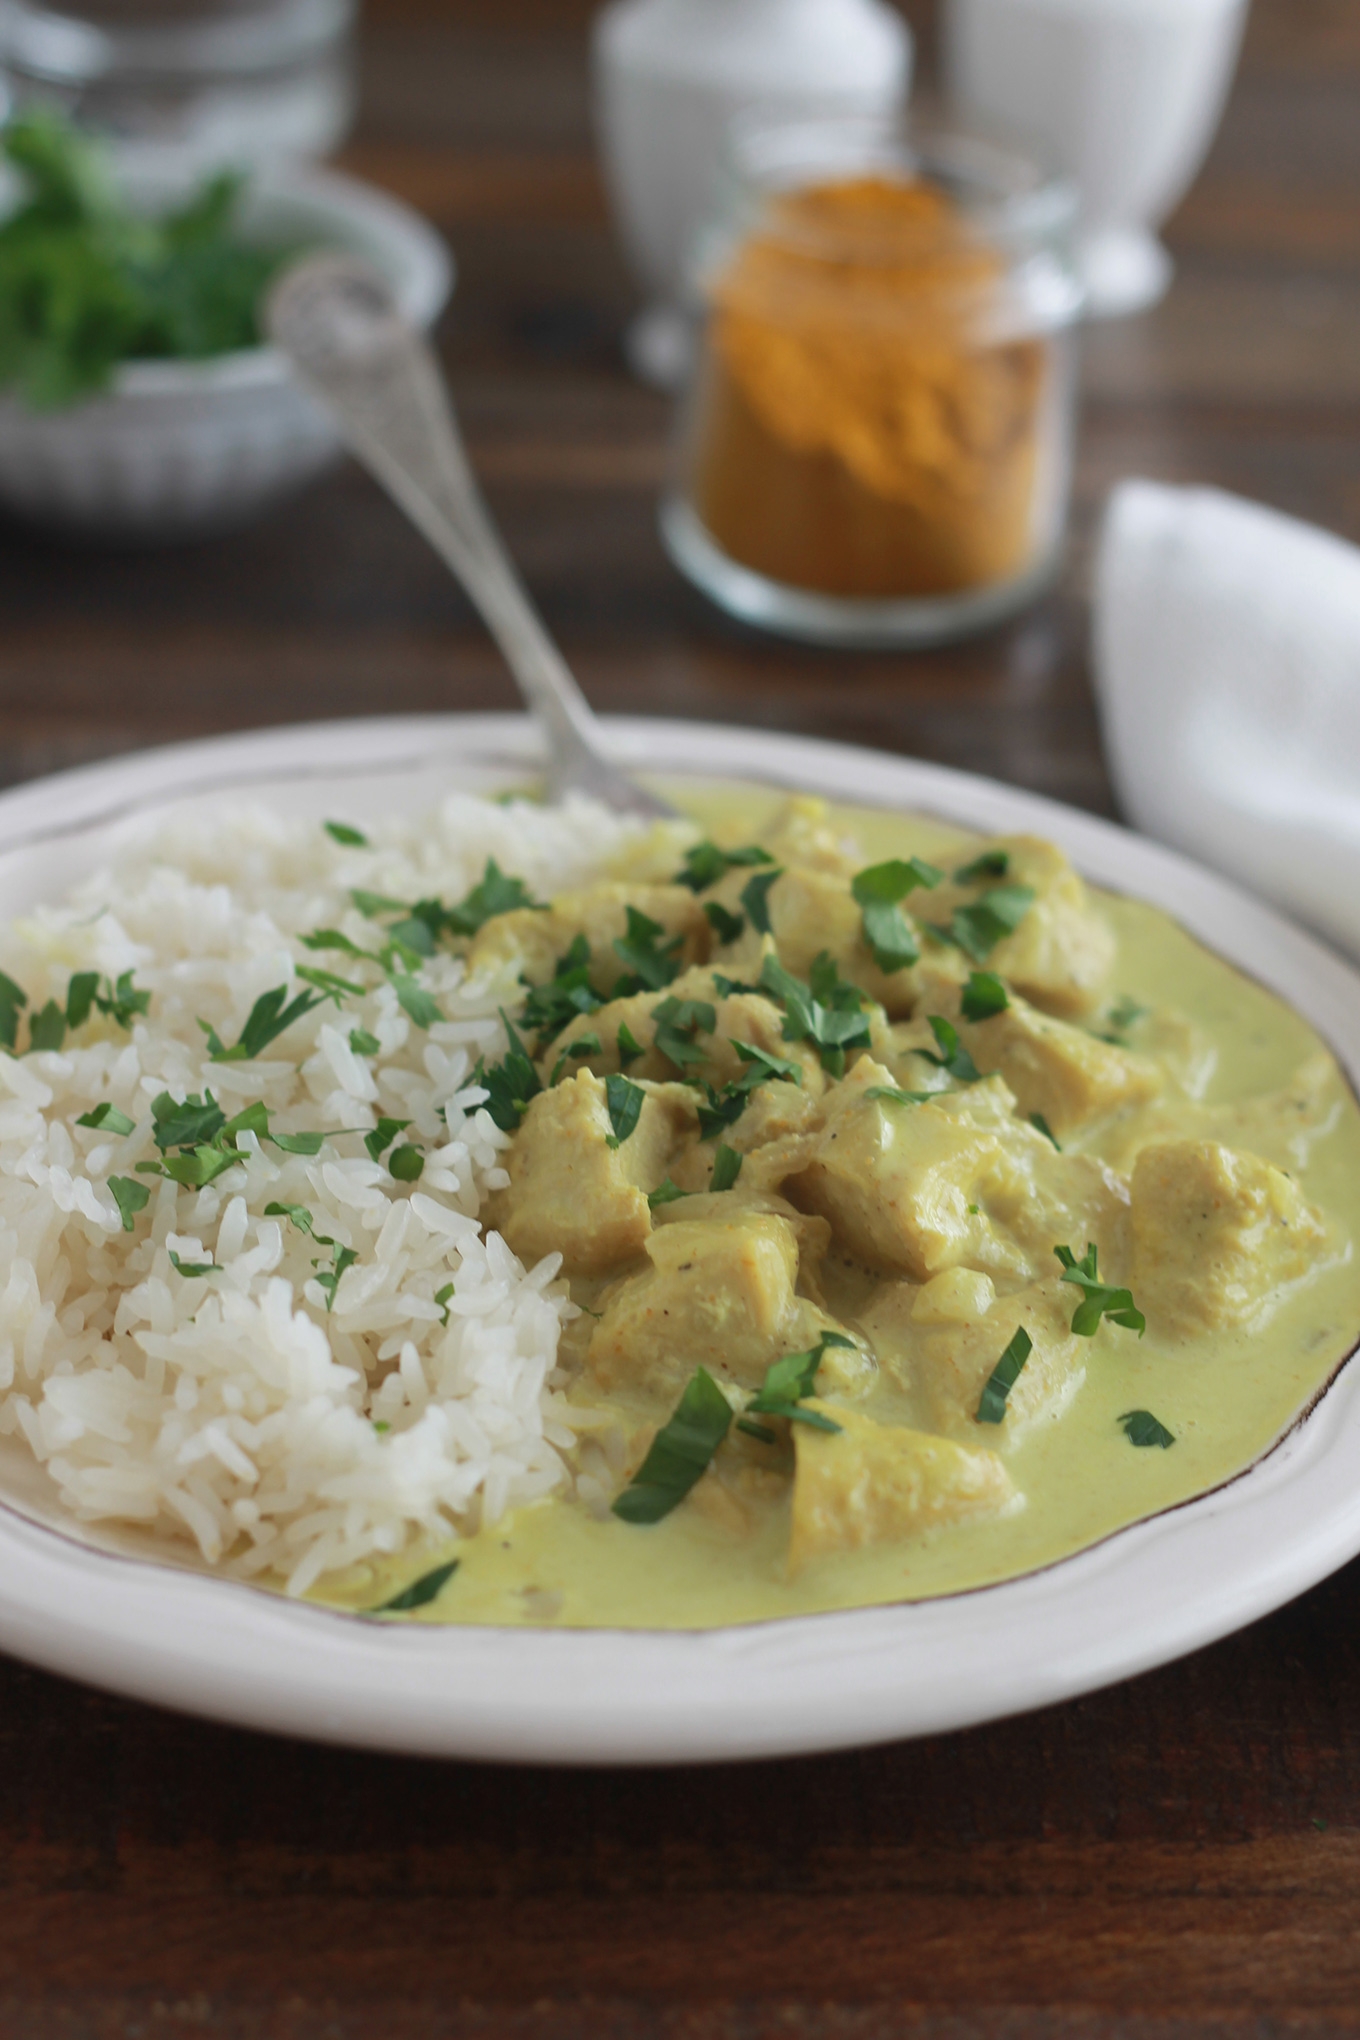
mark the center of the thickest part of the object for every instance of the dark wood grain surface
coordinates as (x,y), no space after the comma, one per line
(1179,1856)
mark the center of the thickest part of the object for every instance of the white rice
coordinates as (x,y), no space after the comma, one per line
(235,1410)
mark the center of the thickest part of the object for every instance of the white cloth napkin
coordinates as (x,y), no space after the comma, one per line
(1227,658)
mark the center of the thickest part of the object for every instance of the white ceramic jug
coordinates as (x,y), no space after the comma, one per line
(671,75)
(1124,95)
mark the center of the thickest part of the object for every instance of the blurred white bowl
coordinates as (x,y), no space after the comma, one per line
(178,449)
(1123,95)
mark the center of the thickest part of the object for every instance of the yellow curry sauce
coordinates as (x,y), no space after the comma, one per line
(1206,1142)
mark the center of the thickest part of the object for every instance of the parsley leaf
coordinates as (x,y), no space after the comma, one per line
(418,1004)
(495,893)
(420,1592)
(829,1011)
(991,864)
(628,1046)
(1142,1428)
(185,1126)
(977,929)
(123,1002)
(888,934)
(383,1135)
(364,1043)
(889,937)
(705,864)
(677,1021)
(725,926)
(329,1280)
(953,1057)
(107,1117)
(680,1452)
(1037,1120)
(551,1007)
(130,1197)
(765,1067)
(341,832)
(892,881)
(652,961)
(80,997)
(47,1029)
(665,1192)
(726,1168)
(13,999)
(793,1378)
(510,1083)
(192,1269)
(1098,1298)
(297,1213)
(441,1297)
(892,1096)
(755,897)
(991,1408)
(724,1108)
(983,996)
(406,1163)
(269,1017)
(624,1099)
(328,984)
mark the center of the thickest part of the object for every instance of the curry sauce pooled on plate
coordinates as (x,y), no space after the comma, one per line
(928,1219)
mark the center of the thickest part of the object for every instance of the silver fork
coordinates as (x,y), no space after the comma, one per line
(335,319)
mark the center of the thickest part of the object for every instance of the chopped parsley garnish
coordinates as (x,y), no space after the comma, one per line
(13,999)
(1041,1125)
(329,1280)
(755,897)
(441,1297)
(991,1408)
(122,1002)
(628,1046)
(724,1108)
(888,934)
(765,1067)
(188,1125)
(978,928)
(418,1004)
(420,1592)
(107,1118)
(984,996)
(705,864)
(666,1192)
(1098,1298)
(510,1084)
(191,1270)
(725,926)
(991,864)
(293,1143)
(299,1215)
(1123,1016)
(624,1099)
(793,1378)
(680,1452)
(494,894)
(828,1011)
(567,997)
(80,997)
(1142,1428)
(406,1163)
(729,987)
(953,1058)
(726,1168)
(584,1045)
(382,1136)
(890,1094)
(677,1021)
(652,960)
(130,1197)
(349,838)
(364,1043)
(47,1029)
(269,1018)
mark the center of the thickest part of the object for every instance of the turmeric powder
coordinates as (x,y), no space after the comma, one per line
(864,427)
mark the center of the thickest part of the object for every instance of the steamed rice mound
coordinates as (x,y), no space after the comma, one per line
(285,1439)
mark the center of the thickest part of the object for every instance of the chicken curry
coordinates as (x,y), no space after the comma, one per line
(930,1217)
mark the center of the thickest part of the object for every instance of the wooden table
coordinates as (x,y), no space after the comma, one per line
(1180,1856)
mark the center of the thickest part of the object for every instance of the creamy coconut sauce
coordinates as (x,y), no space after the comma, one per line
(1226,1396)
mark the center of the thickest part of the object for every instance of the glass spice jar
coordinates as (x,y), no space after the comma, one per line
(876,444)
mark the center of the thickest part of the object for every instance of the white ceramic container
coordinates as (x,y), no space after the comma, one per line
(1124,96)
(670,76)
(78,1600)
(178,449)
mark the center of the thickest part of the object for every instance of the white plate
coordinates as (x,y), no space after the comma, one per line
(598,1696)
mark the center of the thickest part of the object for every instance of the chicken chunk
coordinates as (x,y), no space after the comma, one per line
(1059,1071)
(1215,1233)
(719,1294)
(956,1181)
(528,942)
(1061,954)
(946,1355)
(874,1483)
(570,1191)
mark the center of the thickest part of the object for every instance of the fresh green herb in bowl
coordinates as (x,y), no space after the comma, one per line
(86,283)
